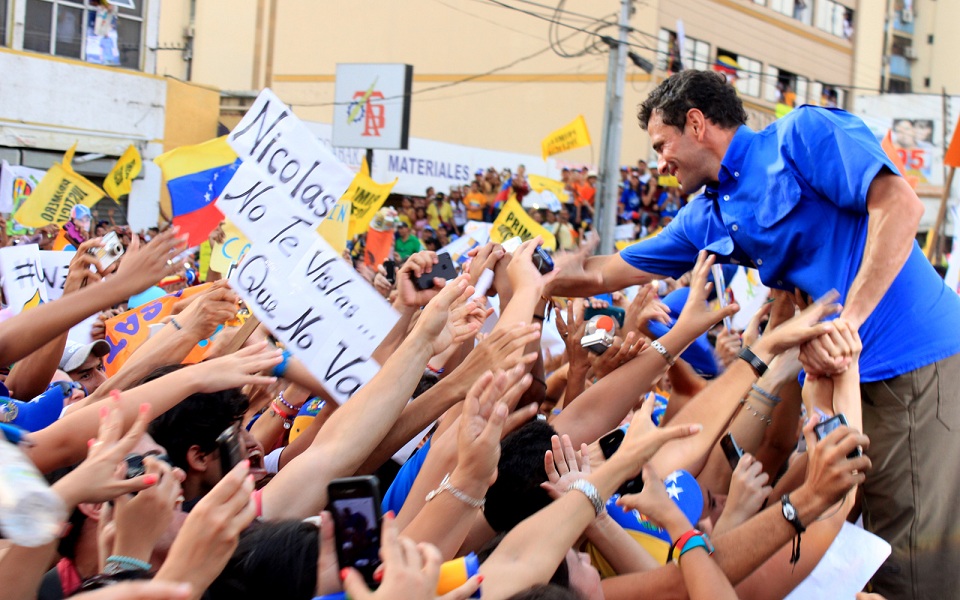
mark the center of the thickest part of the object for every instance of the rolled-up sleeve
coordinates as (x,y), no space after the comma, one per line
(674,250)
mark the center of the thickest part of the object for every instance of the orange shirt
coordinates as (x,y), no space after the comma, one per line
(586,192)
(475,203)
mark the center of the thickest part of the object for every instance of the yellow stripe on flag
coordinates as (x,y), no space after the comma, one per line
(570,136)
(187,160)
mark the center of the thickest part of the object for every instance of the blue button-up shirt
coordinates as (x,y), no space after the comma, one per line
(791,201)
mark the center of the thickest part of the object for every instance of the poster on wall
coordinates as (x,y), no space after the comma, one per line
(916,125)
(102,47)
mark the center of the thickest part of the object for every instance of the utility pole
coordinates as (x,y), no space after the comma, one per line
(605,218)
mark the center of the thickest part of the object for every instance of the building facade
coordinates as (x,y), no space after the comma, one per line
(503,77)
(920,43)
(75,71)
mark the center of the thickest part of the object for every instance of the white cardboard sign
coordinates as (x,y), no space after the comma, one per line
(22,276)
(325,313)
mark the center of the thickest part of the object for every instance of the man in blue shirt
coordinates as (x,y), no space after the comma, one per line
(814,204)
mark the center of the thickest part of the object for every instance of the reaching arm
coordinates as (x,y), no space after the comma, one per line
(895,213)
(300,489)
(598,275)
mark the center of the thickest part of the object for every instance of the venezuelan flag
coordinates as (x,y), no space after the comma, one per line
(196,176)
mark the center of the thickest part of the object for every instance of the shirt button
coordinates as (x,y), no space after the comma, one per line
(727,197)
(736,173)
(735,228)
(759,261)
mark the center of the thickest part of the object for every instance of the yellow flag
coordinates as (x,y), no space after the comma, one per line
(58,192)
(538,184)
(570,136)
(514,221)
(233,246)
(335,227)
(120,179)
(366,197)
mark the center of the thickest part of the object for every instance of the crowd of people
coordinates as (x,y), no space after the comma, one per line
(597,472)
(432,221)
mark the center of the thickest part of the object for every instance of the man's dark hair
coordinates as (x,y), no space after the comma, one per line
(707,91)
(198,420)
(276,559)
(516,494)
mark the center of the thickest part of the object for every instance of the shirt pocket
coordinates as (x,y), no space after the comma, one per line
(780,197)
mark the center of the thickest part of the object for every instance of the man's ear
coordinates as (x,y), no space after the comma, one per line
(697,123)
(198,460)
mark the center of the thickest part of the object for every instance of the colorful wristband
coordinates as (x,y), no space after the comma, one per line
(281,368)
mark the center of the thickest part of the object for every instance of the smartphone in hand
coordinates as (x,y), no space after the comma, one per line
(731,450)
(355,507)
(444,269)
(824,429)
(609,444)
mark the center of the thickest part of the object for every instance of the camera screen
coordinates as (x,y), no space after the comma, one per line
(358,533)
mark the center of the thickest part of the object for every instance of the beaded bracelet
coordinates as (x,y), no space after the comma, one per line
(284,402)
(767,395)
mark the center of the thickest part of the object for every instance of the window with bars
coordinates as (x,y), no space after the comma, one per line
(86,30)
(3,23)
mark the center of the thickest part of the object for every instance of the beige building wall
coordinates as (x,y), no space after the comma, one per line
(938,60)
(293,46)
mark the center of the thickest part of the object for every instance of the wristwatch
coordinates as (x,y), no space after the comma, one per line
(790,514)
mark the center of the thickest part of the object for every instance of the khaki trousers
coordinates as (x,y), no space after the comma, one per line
(912,495)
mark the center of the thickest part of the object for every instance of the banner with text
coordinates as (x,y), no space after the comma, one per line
(513,221)
(23,285)
(291,278)
(570,136)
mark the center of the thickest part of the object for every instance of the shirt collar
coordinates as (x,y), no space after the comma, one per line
(737,151)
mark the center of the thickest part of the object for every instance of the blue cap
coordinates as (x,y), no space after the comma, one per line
(36,414)
(700,353)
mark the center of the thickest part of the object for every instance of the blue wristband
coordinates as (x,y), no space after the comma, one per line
(281,368)
(334,596)
(128,561)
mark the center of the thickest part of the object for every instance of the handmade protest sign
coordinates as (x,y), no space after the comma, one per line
(55,265)
(23,285)
(233,246)
(513,221)
(291,279)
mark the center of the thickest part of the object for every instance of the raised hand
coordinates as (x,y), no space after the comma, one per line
(830,473)
(442,323)
(499,350)
(572,331)
(141,268)
(209,310)
(410,570)
(654,502)
(748,490)
(752,333)
(211,532)
(619,353)
(643,438)
(100,477)
(564,465)
(523,273)
(238,369)
(727,346)
(697,315)
(79,274)
(481,425)
(415,266)
(141,520)
(645,307)
(804,327)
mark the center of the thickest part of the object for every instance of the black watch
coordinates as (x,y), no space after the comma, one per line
(790,513)
(755,361)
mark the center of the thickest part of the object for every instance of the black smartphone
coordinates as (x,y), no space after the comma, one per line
(355,506)
(731,450)
(391,268)
(609,444)
(444,269)
(824,429)
(231,448)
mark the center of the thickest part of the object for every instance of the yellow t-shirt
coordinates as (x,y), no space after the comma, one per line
(435,217)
